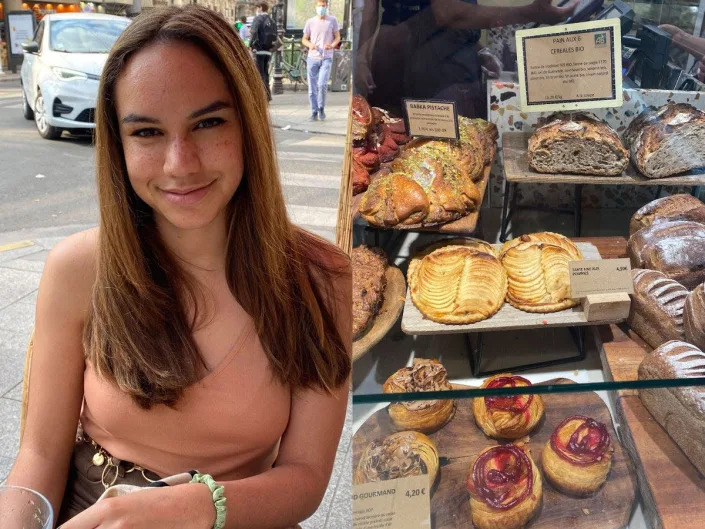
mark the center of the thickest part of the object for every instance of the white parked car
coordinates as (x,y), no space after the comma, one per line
(61,69)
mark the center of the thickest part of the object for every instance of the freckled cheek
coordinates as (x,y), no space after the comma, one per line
(144,165)
(223,155)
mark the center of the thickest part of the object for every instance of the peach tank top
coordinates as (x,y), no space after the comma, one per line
(228,424)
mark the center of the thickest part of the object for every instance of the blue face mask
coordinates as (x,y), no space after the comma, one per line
(321,10)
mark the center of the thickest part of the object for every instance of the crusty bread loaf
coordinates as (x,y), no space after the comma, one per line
(672,207)
(680,410)
(368,282)
(577,143)
(694,317)
(667,141)
(656,312)
(676,248)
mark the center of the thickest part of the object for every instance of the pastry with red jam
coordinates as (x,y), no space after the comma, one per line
(577,458)
(507,417)
(505,488)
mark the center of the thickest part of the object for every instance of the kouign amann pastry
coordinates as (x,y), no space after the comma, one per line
(505,488)
(457,284)
(398,455)
(538,277)
(420,415)
(510,417)
(577,142)
(578,456)
(667,141)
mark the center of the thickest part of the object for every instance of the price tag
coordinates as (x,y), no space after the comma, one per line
(402,503)
(570,67)
(600,276)
(431,119)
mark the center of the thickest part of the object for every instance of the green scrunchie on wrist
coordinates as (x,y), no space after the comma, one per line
(218,491)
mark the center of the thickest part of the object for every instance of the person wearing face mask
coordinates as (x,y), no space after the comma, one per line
(321,36)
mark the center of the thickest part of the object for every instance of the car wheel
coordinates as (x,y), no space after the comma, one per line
(27,111)
(46,131)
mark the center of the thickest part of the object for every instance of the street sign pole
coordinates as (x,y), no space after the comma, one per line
(278,87)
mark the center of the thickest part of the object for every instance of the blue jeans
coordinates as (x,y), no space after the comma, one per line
(318,71)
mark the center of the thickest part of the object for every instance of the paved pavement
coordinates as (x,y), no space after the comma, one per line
(23,252)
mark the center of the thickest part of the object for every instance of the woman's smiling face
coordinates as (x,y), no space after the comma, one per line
(181,134)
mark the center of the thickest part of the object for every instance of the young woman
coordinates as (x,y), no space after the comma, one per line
(196,327)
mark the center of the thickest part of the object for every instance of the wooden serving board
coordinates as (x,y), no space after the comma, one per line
(392,305)
(516,169)
(461,440)
(463,226)
(672,489)
(508,317)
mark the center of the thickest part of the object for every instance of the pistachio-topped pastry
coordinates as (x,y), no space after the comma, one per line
(398,455)
(421,415)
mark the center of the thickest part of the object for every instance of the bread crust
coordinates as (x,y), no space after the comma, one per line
(656,312)
(676,248)
(577,143)
(694,317)
(679,410)
(668,140)
(672,207)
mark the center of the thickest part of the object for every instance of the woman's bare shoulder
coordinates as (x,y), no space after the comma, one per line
(71,267)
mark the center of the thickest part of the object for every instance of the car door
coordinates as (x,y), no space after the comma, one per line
(31,65)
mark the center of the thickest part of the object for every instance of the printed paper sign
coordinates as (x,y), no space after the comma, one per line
(402,503)
(600,276)
(574,66)
(431,119)
(21,30)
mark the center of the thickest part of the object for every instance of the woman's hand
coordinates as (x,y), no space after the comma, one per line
(185,506)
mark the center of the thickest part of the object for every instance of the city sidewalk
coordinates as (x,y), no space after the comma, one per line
(290,110)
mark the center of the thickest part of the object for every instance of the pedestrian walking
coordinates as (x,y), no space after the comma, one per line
(243,30)
(321,37)
(263,39)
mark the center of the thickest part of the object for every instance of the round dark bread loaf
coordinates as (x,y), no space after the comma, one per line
(577,143)
(672,207)
(667,141)
(694,317)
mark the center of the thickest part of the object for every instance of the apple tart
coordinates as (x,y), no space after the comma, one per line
(510,417)
(548,237)
(398,455)
(538,277)
(577,458)
(457,284)
(505,488)
(421,415)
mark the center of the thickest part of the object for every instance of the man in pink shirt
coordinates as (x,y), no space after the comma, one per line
(321,36)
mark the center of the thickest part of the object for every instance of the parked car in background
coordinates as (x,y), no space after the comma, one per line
(61,70)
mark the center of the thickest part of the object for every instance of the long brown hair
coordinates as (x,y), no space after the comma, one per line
(138,332)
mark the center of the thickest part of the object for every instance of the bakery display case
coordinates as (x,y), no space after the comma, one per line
(527,394)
